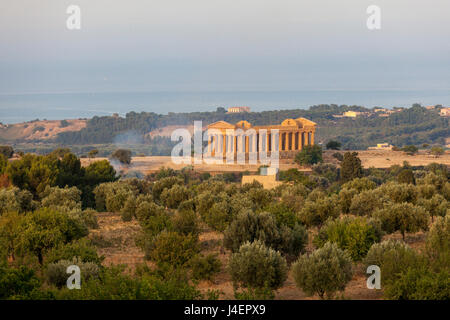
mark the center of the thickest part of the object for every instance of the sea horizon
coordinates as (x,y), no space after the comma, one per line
(16,108)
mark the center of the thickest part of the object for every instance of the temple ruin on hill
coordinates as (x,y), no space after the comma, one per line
(288,138)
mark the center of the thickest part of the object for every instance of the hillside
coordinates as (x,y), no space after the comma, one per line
(416,125)
(44,130)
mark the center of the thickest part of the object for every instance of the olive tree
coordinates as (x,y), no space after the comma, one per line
(323,272)
(392,257)
(14,199)
(62,199)
(249,227)
(438,239)
(317,211)
(403,217)
(354,234)
(45,229)
(256,266)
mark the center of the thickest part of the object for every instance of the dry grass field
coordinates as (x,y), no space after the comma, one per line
(115,241)
(369,158)
(154,163)
(39,130)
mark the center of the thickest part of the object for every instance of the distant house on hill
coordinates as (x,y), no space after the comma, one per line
(354,114)
(238,109)
(445,112)
(382,146)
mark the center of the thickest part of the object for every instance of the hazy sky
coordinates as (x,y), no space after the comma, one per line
(153,45)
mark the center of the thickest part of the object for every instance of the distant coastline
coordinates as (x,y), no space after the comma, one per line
(16,108)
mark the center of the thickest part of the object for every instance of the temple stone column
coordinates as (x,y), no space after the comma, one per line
(280,144)
(312,137)
(247,141)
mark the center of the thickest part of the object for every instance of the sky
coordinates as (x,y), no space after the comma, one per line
(223,45)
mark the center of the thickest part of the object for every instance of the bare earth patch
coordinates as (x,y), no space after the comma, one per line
(115,240)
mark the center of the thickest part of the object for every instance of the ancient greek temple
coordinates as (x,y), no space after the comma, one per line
(288,138)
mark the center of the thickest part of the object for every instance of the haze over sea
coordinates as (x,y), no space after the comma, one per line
(25,107)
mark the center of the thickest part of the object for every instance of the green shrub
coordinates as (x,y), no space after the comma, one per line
(172,197)
(406,176)
(403,217)
(426,191)
(309,155)
(128,210)
(45,229)
(173,249)
(110,284)
(164,183)
(63,199)
(366,202)
(175,286)
(436,206)
(153,218)
(256,266)
(111,196)
(185,222)
(317,211)
(249,226)
(438,240)
(259,197)
(392,257)
(399,192)
(351,167)
(360,184)
(324,272)
(187,205)
(14,199)
(56,272)
(283,214)
(6,151)
(205,267)
(215,209)
(292,240)
(18,283)
(88,217)
(338,156)
(82,249)
(345,199)
(122,155)
(354,234)
(420,284)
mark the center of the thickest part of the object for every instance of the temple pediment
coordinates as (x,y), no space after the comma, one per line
(221,125)
(305,122)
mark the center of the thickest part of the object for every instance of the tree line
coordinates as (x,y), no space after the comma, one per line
(411,126)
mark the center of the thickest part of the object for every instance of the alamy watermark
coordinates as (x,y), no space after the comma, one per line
(74,280)
(374,281)
(73,22)
(374,20)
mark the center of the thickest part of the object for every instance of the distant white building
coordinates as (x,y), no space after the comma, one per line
(238,109)
(382,146)
(445,112)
